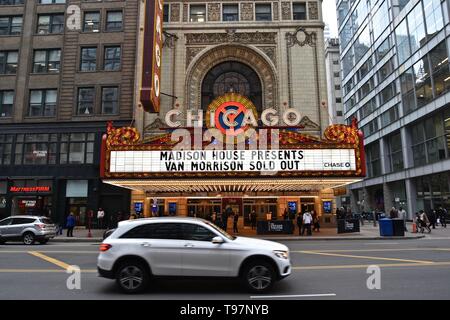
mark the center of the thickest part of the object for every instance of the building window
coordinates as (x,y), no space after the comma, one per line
(416,28)
(335,62)
(112,58)
(197,13)
(5,149)
(299,10)
(88,59)
(424,92)
(42,103)
(339,113)
(77,148)
(395,152)
(10,2)
(429,140)
(383,49)
(36,149)
(337,74)
(110,100)
(337,87)
(47,61)
(370,128)
(51,1)
(433,16)
(230,12)
(373,159)
(388,93)
(10,25)
(389,116)
(403,49)
(114,21)
(338,100)
(9,62)
(50,23)
(368,108)
(440,68)
(6,103)
(386,70)
(91,22)
(166,13)
(263,12)
(86,100)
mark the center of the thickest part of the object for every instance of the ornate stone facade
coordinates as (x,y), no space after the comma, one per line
(175,12)
(231,36)
(313,12)
(271,52)
(185,12)
(286,10)
(276,9)
(247,11)
(245,54)
(213,11)
(191,52)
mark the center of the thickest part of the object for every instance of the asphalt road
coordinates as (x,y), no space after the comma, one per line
(410,269)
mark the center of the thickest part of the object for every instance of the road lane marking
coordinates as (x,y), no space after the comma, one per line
(374,250)
(364,266)
(48,251)
(365,257)
(59,263)
(295,296)
(42,271)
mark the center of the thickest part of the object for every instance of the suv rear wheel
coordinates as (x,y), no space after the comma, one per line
(28,238)
(132,276)
(258,276)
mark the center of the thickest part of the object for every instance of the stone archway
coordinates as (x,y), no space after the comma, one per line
(198,69)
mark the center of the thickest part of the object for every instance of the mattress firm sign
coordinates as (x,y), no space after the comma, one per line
(233,160)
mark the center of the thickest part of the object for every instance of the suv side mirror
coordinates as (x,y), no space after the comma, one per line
(218,240)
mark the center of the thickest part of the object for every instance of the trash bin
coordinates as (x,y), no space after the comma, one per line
(386,227)
(398,227)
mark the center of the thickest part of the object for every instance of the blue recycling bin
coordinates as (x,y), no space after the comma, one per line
(386,227)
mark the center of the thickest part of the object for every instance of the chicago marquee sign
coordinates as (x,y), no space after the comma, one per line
(151,64)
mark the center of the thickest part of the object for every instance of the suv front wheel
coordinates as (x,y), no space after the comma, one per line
(258,276)
(132,277)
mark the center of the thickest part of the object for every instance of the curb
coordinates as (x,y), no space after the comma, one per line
(99,240)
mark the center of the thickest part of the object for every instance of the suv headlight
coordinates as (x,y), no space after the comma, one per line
(281,254)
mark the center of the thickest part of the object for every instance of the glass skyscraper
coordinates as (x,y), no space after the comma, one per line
(396,81)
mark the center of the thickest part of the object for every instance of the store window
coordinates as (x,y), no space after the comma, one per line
(77,197)
(77,148)
(433,191)
(6,141)
(36,149)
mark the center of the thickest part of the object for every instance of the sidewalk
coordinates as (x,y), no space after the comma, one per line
(367,232)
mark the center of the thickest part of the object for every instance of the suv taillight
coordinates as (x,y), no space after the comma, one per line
(40,226)
(105,247)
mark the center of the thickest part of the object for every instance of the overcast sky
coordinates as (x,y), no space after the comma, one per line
(329,16)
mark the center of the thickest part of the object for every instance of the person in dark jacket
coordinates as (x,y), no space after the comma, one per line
(235,222)
(300,223)
(442,213)
(432,217)
(253,219)
(70,224)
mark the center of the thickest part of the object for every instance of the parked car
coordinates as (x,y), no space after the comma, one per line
(27,229)
(188,247)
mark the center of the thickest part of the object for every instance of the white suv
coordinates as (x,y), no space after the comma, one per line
(187,247)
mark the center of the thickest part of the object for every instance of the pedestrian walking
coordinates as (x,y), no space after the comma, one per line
(70,224)
(424,221)
(316,224)
(402,215)
(442,215)
(307,220)
(235,222)
(225,220)
(100,218)
(300,223)
(393,214)
(253,219)
(285,214)
(433,217)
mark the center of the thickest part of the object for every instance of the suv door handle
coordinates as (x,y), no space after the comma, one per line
(145,244)
(189,245)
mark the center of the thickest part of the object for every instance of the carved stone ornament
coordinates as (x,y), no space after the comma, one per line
(175,12)
(309,124)
(191,52)
(213,11)
(286,10)
(276,15)
(313,12)
(169,40)
(231,36)
(271,53)
(301,37)
(247,12)
(155,125)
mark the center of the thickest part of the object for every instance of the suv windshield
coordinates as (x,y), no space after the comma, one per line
(221,231)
